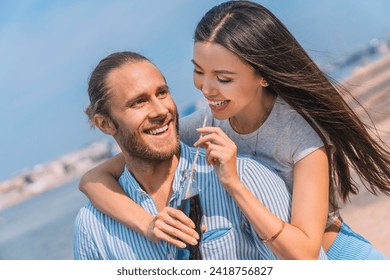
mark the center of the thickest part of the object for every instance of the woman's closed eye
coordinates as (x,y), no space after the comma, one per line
(219,78)
(196,71)
(223,79)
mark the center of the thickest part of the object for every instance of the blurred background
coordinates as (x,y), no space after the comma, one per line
(48,49)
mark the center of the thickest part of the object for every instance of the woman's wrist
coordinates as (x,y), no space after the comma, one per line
(147,226)
(234,187)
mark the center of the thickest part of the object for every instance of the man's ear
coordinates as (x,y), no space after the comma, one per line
(105,124)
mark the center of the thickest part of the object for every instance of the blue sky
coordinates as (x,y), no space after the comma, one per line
(48,49)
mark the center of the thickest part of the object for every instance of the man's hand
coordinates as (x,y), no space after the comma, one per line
(173,226)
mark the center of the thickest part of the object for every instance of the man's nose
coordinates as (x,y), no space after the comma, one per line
(158,109)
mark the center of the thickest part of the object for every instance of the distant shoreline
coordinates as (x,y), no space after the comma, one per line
(56,173)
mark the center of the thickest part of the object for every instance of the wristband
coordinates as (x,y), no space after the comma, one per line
(265,240)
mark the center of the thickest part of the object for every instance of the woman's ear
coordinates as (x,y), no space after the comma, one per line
(105,124)
(264,83)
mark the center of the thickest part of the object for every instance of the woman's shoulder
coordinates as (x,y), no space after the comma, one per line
(195,119)
(189,123)
(282,117)
(283,109)
(287,114)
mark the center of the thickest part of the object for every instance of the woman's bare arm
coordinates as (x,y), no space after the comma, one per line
(301,238)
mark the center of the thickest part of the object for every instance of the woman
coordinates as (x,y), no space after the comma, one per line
(268,99)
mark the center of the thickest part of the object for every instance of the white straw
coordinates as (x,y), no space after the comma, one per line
(197,151)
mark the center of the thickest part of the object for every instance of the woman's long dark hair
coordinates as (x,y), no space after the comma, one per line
(256,36)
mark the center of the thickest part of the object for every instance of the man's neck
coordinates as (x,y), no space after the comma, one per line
(155,177)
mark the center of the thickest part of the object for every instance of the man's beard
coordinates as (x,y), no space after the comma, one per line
(137,148)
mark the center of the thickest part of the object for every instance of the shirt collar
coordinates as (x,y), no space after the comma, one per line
(186,159)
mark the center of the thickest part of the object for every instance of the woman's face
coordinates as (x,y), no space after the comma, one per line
(229,85)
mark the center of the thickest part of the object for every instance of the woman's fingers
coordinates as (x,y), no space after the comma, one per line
(213,134)
(221,152)
(211,129)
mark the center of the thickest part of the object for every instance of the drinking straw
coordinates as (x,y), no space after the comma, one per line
(197,150)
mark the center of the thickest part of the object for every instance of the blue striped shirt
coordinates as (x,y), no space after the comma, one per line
(229,235)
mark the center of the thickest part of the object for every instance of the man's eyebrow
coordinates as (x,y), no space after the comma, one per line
(159,89)
(196,64)
(162,88)
(131,100)
(215,71)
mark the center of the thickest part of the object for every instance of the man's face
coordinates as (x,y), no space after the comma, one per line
(143,112)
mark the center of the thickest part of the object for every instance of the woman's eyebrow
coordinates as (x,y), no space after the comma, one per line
(215,71)
(224,72)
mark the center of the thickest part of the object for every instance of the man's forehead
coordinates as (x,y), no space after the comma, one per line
(137,69)
(136,75)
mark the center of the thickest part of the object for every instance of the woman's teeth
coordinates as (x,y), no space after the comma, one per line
(158,130)
(217,103)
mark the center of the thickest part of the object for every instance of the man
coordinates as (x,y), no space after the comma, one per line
(130,100)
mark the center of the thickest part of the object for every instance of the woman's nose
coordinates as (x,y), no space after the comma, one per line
(207,88)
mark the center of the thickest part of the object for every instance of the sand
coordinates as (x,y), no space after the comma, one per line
(367,214)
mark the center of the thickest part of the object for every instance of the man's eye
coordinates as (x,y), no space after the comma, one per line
(163,93)
(138,103)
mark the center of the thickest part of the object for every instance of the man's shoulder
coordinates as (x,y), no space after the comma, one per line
(87,211)
(89,219)
(86,218)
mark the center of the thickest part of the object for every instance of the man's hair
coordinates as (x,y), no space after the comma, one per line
(97,88)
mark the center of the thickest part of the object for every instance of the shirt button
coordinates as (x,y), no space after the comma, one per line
(170,256)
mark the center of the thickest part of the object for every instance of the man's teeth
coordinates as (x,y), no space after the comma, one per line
(158,130)
(217,103)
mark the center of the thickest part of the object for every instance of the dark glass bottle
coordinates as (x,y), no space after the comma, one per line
(190,205)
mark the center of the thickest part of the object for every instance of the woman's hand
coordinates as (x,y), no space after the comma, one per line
(221,152)
(173,226)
